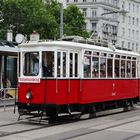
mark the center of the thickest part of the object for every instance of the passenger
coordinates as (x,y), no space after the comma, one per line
(36,66)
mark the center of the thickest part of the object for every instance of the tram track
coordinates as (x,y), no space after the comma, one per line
(91,131)
(39,125)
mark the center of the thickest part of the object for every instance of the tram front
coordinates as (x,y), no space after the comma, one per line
(33,85)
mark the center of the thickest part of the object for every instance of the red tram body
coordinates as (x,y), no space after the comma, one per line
(76,83)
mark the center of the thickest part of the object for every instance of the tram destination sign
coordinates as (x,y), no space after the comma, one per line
(29,80)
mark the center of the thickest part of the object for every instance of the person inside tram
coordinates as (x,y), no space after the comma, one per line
(36,66)
(47,66)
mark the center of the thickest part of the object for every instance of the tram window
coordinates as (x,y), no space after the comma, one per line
(123,68)
(71,65)
(133,69)
(109,68)
(88,52)
(95,66)
(87,66)
(58,64)
(102,67)
(76,65)
(128,70)
(96,53)
(31,64)
(117,68)
(64,64)
(48,64)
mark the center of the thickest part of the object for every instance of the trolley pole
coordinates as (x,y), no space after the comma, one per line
(61,20)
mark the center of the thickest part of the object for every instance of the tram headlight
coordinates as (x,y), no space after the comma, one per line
(28,95)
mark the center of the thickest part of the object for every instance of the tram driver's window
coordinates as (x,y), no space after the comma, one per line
(31,64)
(48,64)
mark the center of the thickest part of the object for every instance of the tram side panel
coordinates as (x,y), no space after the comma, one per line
(62,91)
(108,90)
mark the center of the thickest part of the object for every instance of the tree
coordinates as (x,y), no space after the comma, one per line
(25,16)
(74,22)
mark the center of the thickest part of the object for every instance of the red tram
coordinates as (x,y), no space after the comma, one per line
(68,77)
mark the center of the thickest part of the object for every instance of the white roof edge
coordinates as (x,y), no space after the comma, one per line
(78,45)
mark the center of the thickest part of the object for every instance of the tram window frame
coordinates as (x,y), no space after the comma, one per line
(110,66)
(103,69)
(29,63)
(73,64)
(117,65)
(134,69)
(95,66)
(123,67)
(128,67)
(48,58)
(87,66)
(62,63)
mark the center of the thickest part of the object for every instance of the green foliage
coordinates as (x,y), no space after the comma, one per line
(25,16)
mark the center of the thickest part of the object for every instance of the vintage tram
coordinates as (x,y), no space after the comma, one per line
(67,77)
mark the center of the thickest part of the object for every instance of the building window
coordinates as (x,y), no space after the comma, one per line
(94,26)
(133,20)
(129,20)
(75,0)
(123,19)
(133,34)
(123,5)
(129,8)
(94,12)
(133,46)
(84,1)
(129,32)
(122,44)
(84,12)
(137,20)
(133,7)
(137,34)
(137,9)
(94,0)
(128,45)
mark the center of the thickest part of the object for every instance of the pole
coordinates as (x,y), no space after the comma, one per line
(61,20)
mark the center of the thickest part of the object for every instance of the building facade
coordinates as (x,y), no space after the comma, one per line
(116,21)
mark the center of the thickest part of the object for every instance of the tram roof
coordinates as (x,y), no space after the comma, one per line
(76,46)
(8,48)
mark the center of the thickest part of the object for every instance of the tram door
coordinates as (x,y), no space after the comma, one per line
(67,83)
(73,80)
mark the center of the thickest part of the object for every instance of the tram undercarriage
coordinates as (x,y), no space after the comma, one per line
(53,110)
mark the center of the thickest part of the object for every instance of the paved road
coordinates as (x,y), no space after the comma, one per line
(122,126)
